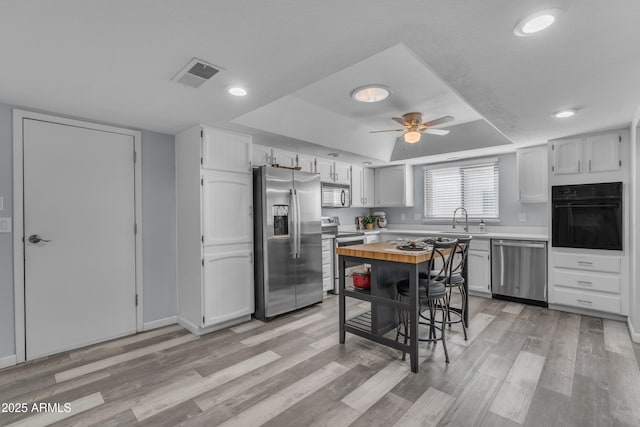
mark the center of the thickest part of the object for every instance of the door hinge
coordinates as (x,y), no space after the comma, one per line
(201,160)
(136,300)
(619,162)
(202,238)
(203,262)
(553,168)
(619,138)
(201,133)
(553,147)
(135,157)
(135,229)
(203,320)
(201,181)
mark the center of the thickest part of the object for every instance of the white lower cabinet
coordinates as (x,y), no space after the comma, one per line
(588,281)
(479,267)
(327,264)
(225,295)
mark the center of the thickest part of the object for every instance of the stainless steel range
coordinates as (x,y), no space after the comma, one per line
(342,238)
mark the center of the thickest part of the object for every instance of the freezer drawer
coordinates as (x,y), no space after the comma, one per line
(519,269)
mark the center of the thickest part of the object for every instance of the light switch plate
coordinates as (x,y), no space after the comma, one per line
(522,217)
(5,225)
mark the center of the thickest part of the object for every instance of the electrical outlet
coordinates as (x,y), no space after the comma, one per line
(417,217)
(522,216)
(403,217)
(5,225)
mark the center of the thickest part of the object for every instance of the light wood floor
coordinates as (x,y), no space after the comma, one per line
(522,365)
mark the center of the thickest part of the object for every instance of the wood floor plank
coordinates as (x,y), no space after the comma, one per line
(558,371)
(616,338)
(624,387)
(284,329)
(513,308)
(428,410)
(248,326)
(47,418)
(171,395)
(516,393)
(472,404)
(123,342)
(365,396)
(268,408)
(55,389)
(476,325)
(384,413)
(114,360)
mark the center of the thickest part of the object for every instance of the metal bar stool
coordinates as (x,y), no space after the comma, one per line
(432,292)
(456,280)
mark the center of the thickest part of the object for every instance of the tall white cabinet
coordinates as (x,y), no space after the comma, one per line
(215,228)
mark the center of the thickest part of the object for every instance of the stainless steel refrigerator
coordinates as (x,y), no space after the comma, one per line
(287,240)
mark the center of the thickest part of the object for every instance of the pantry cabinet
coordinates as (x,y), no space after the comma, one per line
(214,228)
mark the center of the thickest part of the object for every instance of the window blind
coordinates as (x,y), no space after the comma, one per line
(473,187)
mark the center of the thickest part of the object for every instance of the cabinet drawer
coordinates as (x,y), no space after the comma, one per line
(585,299)
(587,281)
(479,245)
(610,264)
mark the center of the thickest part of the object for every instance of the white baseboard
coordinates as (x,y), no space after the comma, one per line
(197,330)
(155,324)
(7,361)
(635,336)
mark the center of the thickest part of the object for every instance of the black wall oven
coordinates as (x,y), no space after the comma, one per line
(587,216)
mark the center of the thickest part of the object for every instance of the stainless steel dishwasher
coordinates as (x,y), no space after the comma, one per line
(519,270)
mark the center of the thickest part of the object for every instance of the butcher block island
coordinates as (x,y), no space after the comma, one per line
(390,262)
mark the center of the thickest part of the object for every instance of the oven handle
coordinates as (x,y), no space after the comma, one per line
(594,205)
(349,239)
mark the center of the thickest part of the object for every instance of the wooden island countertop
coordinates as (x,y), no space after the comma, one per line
(385,251)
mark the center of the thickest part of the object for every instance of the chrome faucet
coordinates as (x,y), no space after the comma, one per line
(466,219)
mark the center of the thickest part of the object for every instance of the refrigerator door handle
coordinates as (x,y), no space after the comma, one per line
(298,225)
(293,221)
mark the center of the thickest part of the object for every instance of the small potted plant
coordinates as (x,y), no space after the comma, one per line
(369,221)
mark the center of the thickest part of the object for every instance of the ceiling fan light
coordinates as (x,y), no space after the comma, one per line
(412,136)
(371,93)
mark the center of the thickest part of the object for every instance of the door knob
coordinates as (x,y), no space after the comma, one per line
(34,238)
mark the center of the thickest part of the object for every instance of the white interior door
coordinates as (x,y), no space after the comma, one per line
(79,194)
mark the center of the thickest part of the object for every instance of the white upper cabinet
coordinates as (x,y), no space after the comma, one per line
(533,174)
(342,172)
(603,152)
(567,156)
(226,151)
(283,158)
(325,169)
(226,208)
(394,186)
(357,196)
(261,155)
(587,154)
(362,187)
(307,163)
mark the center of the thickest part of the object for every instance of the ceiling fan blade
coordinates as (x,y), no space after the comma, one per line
(436,131)
(400,120)
(388,130)
(441,120)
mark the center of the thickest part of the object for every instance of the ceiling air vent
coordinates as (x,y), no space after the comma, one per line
(196,72)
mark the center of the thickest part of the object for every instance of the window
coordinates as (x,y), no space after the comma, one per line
(471,186)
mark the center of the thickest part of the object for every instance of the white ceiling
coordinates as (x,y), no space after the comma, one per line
(112,61)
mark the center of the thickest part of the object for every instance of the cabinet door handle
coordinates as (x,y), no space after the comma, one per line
(584,301)
(579,166)
(589,165)
(584,282)
(585,262)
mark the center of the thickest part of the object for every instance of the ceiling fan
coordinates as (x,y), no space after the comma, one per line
(414,126)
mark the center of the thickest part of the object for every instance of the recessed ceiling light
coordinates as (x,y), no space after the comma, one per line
(371,93)
(367,163)
(564,114)
(536,22)
(334,155)
(237,91)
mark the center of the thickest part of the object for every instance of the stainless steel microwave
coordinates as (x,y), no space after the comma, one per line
(336,195)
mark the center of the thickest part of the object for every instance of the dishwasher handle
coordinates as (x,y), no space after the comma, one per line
(518,244)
